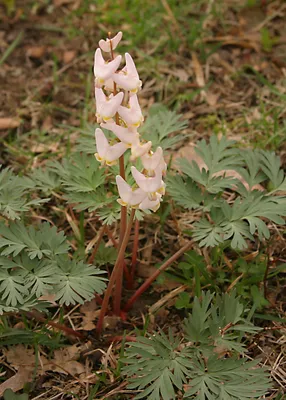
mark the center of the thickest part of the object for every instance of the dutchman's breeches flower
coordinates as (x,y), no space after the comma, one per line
(106,108)
(132,115)
(110,44)
(128,78)
(107,154)
(104,70)
(118,110)
(123,134)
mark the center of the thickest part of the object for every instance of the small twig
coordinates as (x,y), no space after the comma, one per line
(152,278)
(91,258)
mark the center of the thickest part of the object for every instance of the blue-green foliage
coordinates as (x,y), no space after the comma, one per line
(205,363)
(232,209)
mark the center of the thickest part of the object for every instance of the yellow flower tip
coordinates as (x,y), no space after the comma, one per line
(122,203)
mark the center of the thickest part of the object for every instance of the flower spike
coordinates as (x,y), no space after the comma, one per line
(132,115)
(104,70)
(128,78)
(148,184)
(108,44)
(128,196)
(106,108)
(107,154)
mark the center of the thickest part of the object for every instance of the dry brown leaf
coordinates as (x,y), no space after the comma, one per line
(42,148)
(91,312)
(69,56)
(20,356)
(17,381)
(36,51)
(9,123)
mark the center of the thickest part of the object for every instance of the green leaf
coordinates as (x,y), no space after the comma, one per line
(162,129)
(10,395)
(37,243)
(158,364)
(78,282)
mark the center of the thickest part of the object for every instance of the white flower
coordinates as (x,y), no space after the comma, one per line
(106,108)
(129,197)
(128,78)
(108,44)
(106,153)
(132,115)
(146,183)
(138,149)
(124,134)
(151,161)
(104,70)
(151,203)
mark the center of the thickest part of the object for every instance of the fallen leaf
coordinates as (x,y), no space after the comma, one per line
(17,381)
(91,312)
(9,123)
(36,51)
(69,56)
(64,361)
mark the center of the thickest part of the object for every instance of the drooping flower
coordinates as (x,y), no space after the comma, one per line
(108,44)
(107,154)
(138,148)
(124,134)
(151,161)
(151,203)
(128,78)
(146,183)
(106,107)
(104,70)
(132,115)
(128,196)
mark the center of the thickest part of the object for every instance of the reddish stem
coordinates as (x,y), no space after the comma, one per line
(135,250)
(113,277)
(63,328)
(152,278)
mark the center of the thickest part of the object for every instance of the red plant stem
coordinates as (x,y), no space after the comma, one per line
(63,328)
(113,277)
(152,278)
(91,258)
(135,249)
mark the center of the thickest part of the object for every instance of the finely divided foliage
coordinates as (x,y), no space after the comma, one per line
(41,265)
(237,172)
(204,365)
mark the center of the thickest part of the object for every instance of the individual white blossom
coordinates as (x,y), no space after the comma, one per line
(152,203)
(108,44)
(147,183)
(128,78)
(138,148)
(104,70)
(151,161)
(107,154)
(124,134)
(132,115)
(106,107)
(128,196)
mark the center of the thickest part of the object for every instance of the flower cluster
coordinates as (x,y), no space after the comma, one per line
(118,110)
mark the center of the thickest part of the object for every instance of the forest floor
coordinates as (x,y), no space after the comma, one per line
(220,64)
